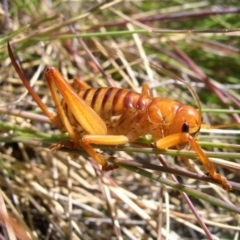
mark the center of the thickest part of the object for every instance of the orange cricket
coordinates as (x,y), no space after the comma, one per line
(113,116)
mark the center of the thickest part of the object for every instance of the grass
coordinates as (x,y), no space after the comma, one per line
(57,195)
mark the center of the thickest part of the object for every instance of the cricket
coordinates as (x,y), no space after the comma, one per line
(113,116)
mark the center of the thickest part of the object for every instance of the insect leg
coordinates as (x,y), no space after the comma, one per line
(29,88)
(62,114)
(145,89)
(79,84)
(83,113)
(87,140)
(179,138)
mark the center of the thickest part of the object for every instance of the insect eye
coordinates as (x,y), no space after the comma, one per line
(185,127)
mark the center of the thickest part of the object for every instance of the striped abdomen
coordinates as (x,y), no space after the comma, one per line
(123,111)
(109,102)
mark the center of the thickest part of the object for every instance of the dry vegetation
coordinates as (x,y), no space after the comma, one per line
(55,195)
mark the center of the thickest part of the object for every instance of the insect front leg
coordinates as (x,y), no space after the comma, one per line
(109,140)
(179,138)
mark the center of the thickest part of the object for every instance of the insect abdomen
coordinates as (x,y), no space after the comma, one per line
(108,102)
